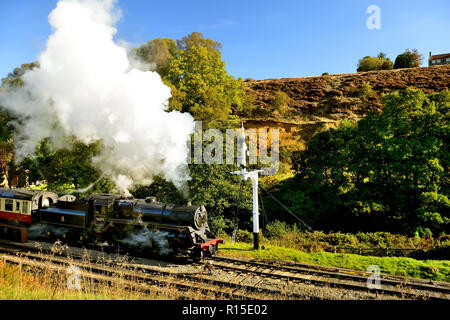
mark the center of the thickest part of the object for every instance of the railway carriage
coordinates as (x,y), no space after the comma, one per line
(18,209)
(17,206)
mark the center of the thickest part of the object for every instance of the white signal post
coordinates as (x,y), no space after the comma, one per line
(253,175)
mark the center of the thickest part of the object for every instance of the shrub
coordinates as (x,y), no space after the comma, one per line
(277,229)
(218,224)
(365,94)
(243,236)
(368,63)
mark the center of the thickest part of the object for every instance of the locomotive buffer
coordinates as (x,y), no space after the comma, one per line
(253,175)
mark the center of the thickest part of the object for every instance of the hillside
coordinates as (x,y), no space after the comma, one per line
(321,102)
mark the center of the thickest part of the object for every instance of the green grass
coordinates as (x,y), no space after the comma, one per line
(425,269)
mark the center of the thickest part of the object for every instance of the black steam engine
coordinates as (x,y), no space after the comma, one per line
(111,220)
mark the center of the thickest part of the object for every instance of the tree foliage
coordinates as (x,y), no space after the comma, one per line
(67,168)
(63,169)
(408,59)
(387,172)
(14,79)
(368,63)
(9,168)
(208,92)
(195,72)
(158,53)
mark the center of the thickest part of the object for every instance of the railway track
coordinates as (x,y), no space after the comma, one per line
(154,277)
(335,277)
(241,279)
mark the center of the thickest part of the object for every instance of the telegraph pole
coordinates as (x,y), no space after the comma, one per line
(253,175)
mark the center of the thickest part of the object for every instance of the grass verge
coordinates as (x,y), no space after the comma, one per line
(424,269)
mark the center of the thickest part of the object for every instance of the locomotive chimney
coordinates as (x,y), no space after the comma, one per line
(188,202)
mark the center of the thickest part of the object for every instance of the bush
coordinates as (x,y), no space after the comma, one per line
(243,236)
(218,224)
(369,63)
(280,103)
(276,229)
(408,59)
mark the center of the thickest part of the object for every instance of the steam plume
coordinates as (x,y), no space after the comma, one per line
(88,85)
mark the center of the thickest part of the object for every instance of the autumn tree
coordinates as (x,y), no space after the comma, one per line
(9,167)
(207,91)
(380,62)
(158,53)
(408,59)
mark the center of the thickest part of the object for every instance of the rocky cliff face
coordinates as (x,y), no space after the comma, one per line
(318,103)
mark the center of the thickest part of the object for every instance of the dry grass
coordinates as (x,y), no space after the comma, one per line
(43,280)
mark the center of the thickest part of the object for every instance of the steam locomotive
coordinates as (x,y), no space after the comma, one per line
(110,220)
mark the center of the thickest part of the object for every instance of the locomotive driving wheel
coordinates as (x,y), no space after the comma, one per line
(197,253)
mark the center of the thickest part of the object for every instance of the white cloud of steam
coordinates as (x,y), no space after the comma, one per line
(146,238)
(91,87)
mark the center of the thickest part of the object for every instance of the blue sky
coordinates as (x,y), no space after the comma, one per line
(261,39)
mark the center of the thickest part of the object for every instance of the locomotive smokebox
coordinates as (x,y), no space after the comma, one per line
(200,217)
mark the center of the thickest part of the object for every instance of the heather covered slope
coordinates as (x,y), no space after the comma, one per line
(318,103)
(334,96)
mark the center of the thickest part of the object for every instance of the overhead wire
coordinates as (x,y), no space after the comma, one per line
(286,208)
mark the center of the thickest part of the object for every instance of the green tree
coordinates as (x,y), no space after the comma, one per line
(207,91)
(280,103)
(68,168)
(368,63)
(14,79)
(388,172)
(158,53)
(9,168)
(63,169)
(408,59)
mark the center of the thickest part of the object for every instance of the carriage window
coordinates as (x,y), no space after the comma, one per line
(25,207)
(9,205)
(18,206)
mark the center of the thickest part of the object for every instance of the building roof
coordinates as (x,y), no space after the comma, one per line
(440,56)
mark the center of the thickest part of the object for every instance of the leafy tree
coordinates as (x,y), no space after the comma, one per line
(158,53)
(9,168)
(14,79)
(206,90)
(368,63)
(388,172)
(408,59)
(63,169)
(68,168)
